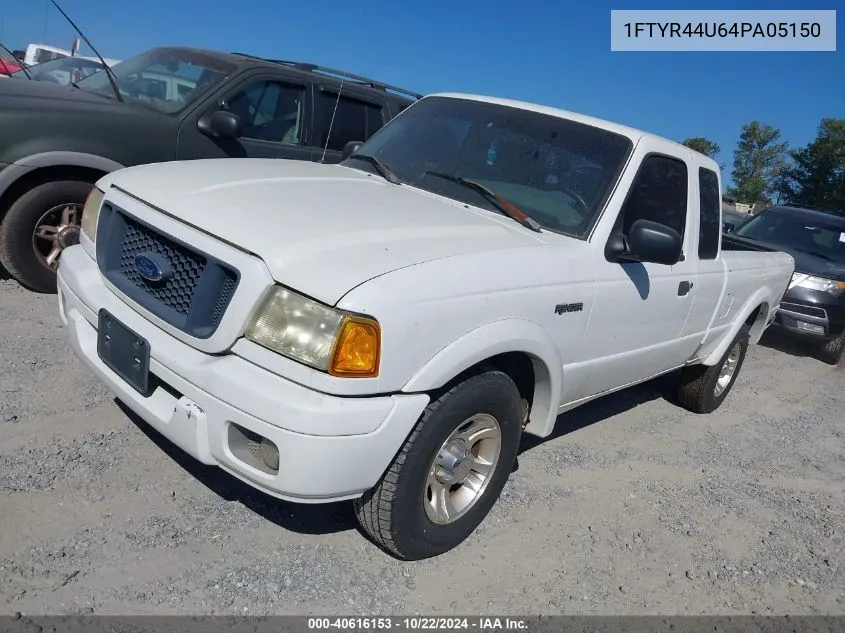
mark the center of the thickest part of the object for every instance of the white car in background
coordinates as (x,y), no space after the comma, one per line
(41,53)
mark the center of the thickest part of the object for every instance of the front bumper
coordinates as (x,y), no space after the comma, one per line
(192,406)
(811,313)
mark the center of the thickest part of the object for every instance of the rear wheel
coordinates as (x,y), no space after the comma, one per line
(703,388)
(449,472)
(831,352)
(38,227)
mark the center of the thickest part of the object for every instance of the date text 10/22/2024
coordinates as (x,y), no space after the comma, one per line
(417,623)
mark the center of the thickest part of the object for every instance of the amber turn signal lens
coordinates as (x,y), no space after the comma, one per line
(356,353)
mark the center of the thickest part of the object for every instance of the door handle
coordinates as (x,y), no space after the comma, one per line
(684,287)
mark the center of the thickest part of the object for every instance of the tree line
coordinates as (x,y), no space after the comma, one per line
(767,171)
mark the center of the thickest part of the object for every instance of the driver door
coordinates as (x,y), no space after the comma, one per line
(639,312)
(275,115)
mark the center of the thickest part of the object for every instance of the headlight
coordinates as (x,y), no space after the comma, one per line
(821,284)
(330,340)
(91,213)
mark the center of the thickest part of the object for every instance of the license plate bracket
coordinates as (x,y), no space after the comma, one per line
(124,352)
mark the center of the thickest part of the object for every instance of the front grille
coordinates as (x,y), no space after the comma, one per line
(798,308)
(223,299)
(178,290)
(195,293)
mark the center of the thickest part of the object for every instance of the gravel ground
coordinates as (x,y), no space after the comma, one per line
(633,507)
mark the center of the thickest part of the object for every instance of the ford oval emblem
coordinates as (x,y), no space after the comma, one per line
(151,266)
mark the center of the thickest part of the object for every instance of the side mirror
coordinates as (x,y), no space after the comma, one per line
(221,123)
(646,241)
(727,227)
(350,148)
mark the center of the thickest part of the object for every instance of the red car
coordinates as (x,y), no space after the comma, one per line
(8,64)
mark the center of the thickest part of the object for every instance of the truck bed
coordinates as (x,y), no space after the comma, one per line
(748,267)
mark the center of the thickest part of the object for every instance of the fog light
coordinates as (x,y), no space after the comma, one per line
(810,327)
(269,454)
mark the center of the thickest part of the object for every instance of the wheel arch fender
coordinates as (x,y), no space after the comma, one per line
(64,158)
(494,339)
(17,178)
(758,305)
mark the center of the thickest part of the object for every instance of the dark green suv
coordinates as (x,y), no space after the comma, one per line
(165,104)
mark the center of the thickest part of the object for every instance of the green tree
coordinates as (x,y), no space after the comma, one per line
(780,177)
(816,175)
(758,155)
(704,146)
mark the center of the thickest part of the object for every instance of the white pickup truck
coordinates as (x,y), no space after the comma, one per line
(384,330)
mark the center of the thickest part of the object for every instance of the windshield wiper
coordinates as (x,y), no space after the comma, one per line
(383,170)
(505,207)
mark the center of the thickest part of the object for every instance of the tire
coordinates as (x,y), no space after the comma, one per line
(398,513)
(18,226)
(700,390)
(831,352)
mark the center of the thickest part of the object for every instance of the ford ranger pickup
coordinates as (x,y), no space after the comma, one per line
(385,329)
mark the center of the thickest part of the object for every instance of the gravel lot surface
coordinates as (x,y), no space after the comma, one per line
(633,507)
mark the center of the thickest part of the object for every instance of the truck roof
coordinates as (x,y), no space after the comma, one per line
(631,132)
(809,213)
(246,59)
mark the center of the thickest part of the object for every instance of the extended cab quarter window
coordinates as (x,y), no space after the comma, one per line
(658,193)
(270,111)
(354,120)
(710,202)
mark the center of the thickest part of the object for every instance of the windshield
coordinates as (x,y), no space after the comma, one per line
(63,70)
(164,79)
(559,172)
(822,239)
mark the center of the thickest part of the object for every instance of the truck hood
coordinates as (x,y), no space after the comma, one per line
(805,263)
(320,229)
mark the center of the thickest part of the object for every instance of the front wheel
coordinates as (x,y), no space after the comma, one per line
(38,227)
(831,352)
(450,471)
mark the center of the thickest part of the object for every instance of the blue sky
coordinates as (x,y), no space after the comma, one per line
(547,51)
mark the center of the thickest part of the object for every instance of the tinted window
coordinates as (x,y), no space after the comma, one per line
(557,171)
(658,193)
(353,120)
(819,237)
(270,111)
(43,55)
(710,203)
